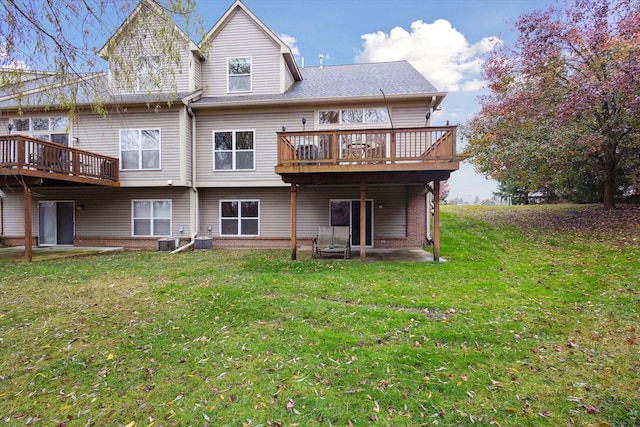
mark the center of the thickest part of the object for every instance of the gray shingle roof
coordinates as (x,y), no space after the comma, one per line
(86,92)
(327,83)
(344,81)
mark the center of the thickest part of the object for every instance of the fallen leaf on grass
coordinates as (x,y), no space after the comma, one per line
(591,410)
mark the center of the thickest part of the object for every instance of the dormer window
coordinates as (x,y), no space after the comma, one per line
(239,77)
(150,73)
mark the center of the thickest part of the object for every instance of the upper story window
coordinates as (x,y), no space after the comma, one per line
(239,74)
(233,150)
(352,115)
(139,149)
(150,73)
(151,217)
(53,129)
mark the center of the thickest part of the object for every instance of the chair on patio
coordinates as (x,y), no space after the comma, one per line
(331,241)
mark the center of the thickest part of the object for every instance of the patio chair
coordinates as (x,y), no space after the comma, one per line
(331,241)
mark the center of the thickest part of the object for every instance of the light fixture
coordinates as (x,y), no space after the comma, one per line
(80,207)
(380,206)
(210,228)
(76,140)
(9,127)
(304,122)
(169,182)
(181,229)
(284,128)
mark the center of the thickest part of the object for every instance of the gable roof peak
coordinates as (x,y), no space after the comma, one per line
(160,12)
(230,13)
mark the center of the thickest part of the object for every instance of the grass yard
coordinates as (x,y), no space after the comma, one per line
(533,320)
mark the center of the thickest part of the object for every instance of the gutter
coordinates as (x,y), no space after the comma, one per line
(194,187)
(248,102)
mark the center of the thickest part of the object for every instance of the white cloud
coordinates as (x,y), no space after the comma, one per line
(291,42)
(7,62)
(437,50)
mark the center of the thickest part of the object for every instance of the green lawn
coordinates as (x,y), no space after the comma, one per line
(533,320)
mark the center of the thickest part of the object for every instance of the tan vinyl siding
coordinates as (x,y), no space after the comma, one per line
(195,73)
(188,157)
(409,116)
(103,136)
(313,208)
(106,212)
(241,37)
(13,212)
(288,78)
(4,120)
(389,222)
(275,213)
(265,124)
(150,38)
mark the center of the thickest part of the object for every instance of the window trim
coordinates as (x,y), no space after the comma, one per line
(342,122)
(152,201)
(239,217)
(250,74)
(140,130)
(143,62)
(34,133)
(233,150)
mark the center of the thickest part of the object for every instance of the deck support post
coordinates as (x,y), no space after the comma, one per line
(294,199)
(27,224)
(436,220)
(363,221)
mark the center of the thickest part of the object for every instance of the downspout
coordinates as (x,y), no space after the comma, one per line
(194,187)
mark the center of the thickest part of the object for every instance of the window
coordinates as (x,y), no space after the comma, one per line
(239,75)
(150,73)
(53,129)
(233,150)
(239,217)
(139,149)
(353,115)
(151,217)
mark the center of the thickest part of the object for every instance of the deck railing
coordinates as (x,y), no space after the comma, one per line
(25,154)
(367,146)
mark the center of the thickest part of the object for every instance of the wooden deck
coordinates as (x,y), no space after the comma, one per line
(306,156)
(28,157)
(366,156)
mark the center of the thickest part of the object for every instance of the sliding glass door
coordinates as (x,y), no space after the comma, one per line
(347,213)
(56,223)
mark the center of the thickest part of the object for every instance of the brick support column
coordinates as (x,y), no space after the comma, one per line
(416,215)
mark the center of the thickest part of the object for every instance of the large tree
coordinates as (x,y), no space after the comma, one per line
(59,40)
(563,104)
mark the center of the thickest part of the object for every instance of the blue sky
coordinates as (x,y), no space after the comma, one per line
(446,40)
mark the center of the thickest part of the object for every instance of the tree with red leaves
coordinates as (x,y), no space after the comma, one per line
(563,105)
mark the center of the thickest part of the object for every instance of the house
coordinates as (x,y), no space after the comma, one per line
(236,142)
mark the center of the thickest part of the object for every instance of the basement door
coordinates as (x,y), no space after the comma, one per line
(347,213)
(56,223)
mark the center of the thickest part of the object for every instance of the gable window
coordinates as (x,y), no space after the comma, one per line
(239,217)
(151,217)
(233,150)
(353,115)
(53,129)
(149,73)
(239,74)
(139,149)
